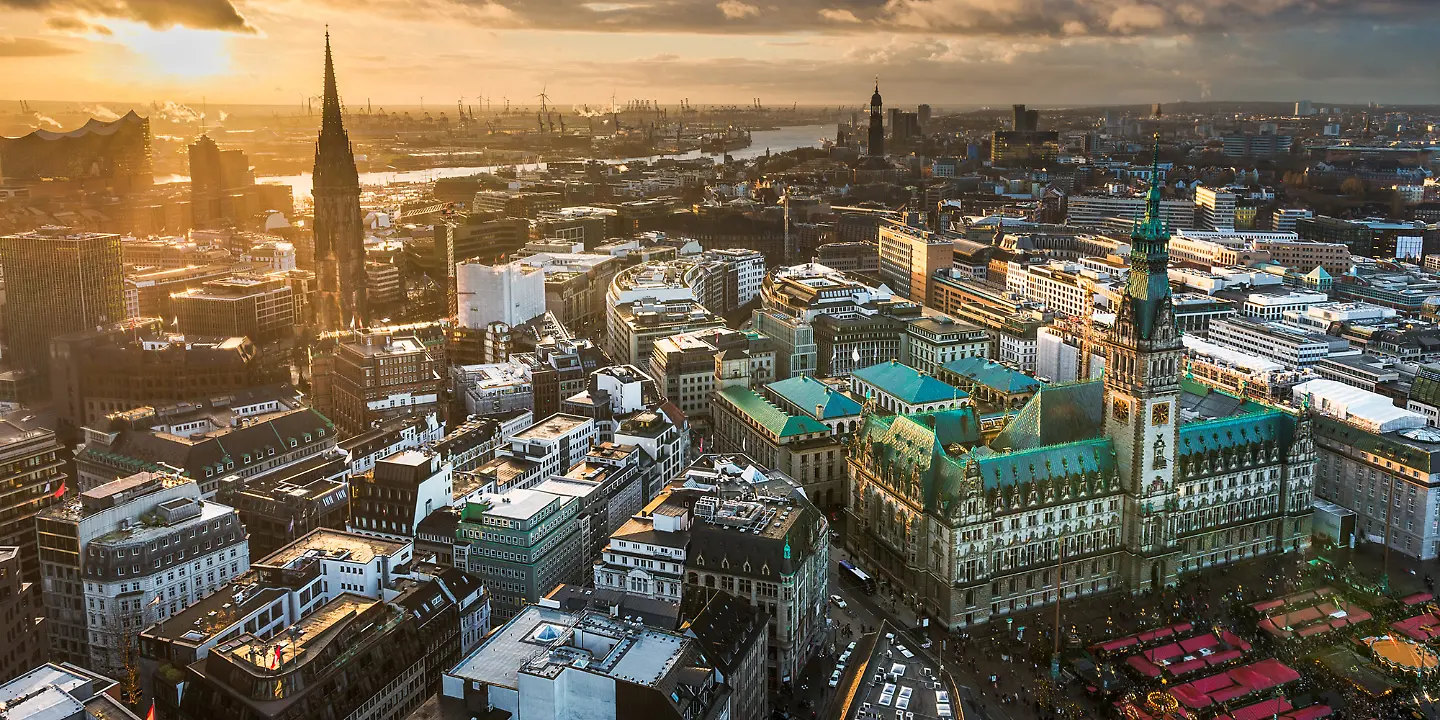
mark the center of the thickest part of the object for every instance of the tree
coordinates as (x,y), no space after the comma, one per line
(1353,186)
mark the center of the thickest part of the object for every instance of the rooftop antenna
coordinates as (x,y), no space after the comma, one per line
(204,110)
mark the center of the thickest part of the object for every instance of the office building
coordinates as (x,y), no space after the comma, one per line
(57,281)
(933,340)
(588,226)
(685,366)
(513,293)
(260,308)
(1368,471)
(521,544)
(33,477)
(97,373)
(22,618)
(554,444)
(612,395)
(1129,454)
(216,177)
(592,664)
(634,328)
(129,553)
(1096,209)
(792,302)
(1262,146)
(609,485)
(558,369)
(376,376)
(516,204)
(339,238)
(1291,347)
(1216,208)
(910,256)
(390,499)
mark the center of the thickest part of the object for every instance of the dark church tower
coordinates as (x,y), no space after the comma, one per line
(339,238)
(877,124)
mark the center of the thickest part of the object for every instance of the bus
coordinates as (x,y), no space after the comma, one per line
(851,575)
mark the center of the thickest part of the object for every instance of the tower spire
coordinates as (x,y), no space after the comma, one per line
(331,105)
(1152,200)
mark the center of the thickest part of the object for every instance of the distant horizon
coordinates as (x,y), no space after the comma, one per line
(953,53)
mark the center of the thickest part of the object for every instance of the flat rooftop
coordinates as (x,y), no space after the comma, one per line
(552,428)
(311,631)
(544,641)
(333,545)
(516,504)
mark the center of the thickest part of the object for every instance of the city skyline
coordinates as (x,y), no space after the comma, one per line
(960,52)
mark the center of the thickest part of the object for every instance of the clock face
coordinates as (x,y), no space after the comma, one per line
(1160,414)
(1121,409)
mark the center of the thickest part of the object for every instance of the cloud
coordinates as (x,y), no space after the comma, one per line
(970,18)
(23,47)
(75,25)
(736,10)
(158,14)
(840,15)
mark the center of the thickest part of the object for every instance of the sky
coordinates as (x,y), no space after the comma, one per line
(944,52)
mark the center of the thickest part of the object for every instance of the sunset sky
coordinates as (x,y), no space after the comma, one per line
(956,52)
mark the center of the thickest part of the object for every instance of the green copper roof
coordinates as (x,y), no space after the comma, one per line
(993,375)
(1045,463)
(908,384)
(1200,436)
(770,417)
(1057,414)
(806,393)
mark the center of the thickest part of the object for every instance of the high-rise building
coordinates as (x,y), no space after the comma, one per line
(339,237)
(57,281)
(910,257)
(1216,208)
(521,543)
(877,124)
(216,179)
(22,621)
(32,478)
(127,554)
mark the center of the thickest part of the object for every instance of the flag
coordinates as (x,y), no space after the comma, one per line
(279,655)
(855,355)
(156,601)
(151,715)
(61,492)
(176,321)
(292,526)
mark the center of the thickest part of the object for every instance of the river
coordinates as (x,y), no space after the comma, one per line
(781,140)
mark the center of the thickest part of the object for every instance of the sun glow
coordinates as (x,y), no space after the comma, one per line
(177,52)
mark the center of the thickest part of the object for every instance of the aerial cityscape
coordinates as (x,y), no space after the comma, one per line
(916,360)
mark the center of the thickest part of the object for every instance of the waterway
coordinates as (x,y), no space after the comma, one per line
(780,140)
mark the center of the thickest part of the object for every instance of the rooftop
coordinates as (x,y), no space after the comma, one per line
(552,428)
(811,395)
(333,545)
(546,641)
(908,384)
(513,504)
(993,375)
(762,411)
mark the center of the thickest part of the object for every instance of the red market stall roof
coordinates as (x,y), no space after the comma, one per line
(1235,683)
(1421,628)
(1417,598)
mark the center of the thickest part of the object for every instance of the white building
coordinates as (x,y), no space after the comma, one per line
(1285,219)
(749,266)
(1290,347)
(1062,287)
(495,388)
(556,444)
(513,293)
(646,556)
(1094,209)
(1273,306)
(139,549)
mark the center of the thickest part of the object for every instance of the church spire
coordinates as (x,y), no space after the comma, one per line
(331,118)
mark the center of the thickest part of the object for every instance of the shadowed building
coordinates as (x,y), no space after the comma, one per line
(339,238)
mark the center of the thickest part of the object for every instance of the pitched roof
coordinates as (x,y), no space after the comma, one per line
(993,375)
(807,393)
(774,419)
(1055,415)
(908,384)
